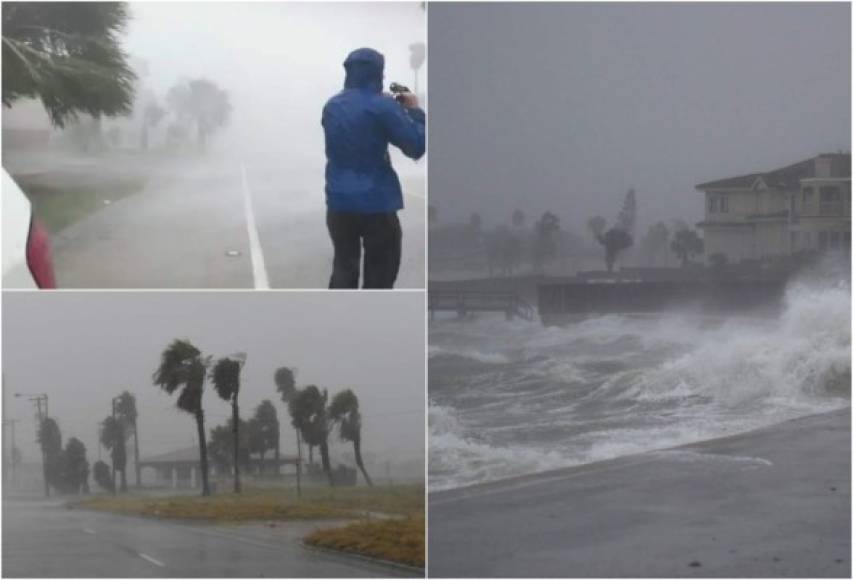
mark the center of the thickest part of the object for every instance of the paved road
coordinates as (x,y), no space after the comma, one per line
(42,538)
(772,503)
(216,223)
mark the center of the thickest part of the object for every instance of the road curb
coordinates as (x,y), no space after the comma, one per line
(363,558)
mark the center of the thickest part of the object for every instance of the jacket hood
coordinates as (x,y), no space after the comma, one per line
(365,70)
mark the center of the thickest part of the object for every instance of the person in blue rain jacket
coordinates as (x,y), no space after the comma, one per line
(363,191)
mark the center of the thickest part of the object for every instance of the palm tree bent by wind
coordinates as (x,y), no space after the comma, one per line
(285,383)
(344,412)
(182,367)
(126,409)
(226,380)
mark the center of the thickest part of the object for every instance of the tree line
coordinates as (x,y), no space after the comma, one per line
(184,371)
(504,248)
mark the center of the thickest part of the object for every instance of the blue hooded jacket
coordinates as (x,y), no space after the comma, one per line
(359,123)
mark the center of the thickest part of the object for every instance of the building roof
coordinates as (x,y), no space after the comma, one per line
(785,177)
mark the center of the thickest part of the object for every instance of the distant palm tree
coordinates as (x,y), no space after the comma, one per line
(344,411)
(203,103)
(685,244)
(76,467)
(126,409)
(308,412)
(268,431)
(152,114)
(50,441)
(220,447)
(102,475)
(182,367)
(285,384)
(113,435)
(226,380)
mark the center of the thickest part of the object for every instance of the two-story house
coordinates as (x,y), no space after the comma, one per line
(800,207)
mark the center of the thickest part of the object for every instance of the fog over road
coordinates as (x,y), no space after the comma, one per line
(220,223)
(45,539)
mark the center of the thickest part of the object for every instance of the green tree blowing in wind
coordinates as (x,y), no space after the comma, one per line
(68,55)
(343,411)
(183,368)
(113,438)
(226,381)
(126,409)
(285,384)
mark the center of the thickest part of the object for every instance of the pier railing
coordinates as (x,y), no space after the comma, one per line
(464,302)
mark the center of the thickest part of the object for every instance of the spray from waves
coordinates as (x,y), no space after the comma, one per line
(801,359)
(482,357)
(615,385)
(450,450)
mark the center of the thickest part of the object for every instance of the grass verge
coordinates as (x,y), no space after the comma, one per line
(59,203)
(271,504)
(398,540)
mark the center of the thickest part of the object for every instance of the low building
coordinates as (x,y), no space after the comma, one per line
(181,468)
(802,207)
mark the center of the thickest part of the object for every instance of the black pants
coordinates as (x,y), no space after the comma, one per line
(381,236)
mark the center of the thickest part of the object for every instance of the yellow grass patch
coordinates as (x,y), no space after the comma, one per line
(271,504)
(399,540)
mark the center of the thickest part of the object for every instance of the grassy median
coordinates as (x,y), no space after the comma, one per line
(398,540)
(61,202)
(317,502)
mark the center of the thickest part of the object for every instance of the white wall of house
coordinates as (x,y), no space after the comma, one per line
(740,223)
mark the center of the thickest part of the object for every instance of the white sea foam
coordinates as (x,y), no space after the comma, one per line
(615,385)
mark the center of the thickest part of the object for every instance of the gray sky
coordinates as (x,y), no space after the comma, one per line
(279,61)
(84,348)
(566,106)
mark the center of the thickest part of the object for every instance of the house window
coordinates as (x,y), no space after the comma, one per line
(830,200)
(807,194)
(822,240)
(793,241)
(807,240)
(712,204)
(724,204)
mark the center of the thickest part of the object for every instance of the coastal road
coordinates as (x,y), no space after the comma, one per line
(770,503)
(212,222)
(45,539)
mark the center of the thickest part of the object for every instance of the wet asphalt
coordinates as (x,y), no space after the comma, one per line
(189,229)
(45,539)
(771,503)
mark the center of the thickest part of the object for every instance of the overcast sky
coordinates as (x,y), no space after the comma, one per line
(84,348)
(279,61)
(566,106)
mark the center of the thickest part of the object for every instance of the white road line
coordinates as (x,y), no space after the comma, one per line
(259,269)
(88,531)
(152,560)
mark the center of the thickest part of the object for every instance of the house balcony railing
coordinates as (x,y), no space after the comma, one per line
(831,208)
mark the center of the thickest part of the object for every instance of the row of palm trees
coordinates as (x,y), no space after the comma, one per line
(183,369)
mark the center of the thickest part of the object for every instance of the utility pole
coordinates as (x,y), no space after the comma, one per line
(37,399)
(115,443)
(12,463)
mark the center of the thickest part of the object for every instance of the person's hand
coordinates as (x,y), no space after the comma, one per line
(408,100)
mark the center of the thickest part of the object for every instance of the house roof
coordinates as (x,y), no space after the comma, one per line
(187,454)
(785,177)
